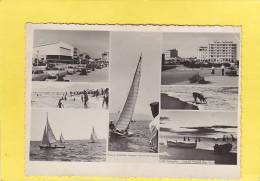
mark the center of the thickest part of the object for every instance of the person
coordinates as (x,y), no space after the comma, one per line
(154,126)
(60,105)
(111,126)
(223,69)
(105,98)
(85,98)
(212,70)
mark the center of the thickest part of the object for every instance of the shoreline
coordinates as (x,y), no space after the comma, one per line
(168,102)
(198,154)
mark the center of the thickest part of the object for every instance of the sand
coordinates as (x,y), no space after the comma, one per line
(181,75)
(167,153)
(168,102)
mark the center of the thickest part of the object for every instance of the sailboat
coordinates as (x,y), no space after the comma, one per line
(122,125)
(93,136)
(48,138)
(62,140)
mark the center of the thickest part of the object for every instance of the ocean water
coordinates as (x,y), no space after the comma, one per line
(139,142)
(75,150)
(51,99)
(218,98)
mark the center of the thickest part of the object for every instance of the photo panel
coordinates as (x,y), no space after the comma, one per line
(134,83)
(199,137)
(70,95)
(196,58)
(68,135)
(70,56)
(192,97)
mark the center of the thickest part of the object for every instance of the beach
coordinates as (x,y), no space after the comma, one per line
(168,102)
(180,76)
(167,153)
(51,99)
(218,98)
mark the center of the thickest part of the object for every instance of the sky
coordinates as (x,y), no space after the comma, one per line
(198,122)
(73,123)
(126,48)
(188,43)
(62,87)
(93,43)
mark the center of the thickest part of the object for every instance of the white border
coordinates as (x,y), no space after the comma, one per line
(159,170)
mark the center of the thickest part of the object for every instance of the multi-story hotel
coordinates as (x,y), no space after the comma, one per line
(218,52)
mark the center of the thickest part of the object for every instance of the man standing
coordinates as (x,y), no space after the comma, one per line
(223,70)
(154,126)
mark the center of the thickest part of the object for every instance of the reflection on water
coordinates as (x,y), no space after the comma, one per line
(139,142)
(75,150)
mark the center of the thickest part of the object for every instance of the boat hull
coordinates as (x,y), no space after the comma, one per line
(51,147)
(119,134)
(222,149)
(181,144)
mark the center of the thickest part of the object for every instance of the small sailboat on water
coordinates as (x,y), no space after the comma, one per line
(93,136)
(121,126)
(62,140)
(48,139)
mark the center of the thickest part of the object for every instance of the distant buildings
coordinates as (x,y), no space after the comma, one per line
(57,52)
(60,52)
(170,54)
(218,52)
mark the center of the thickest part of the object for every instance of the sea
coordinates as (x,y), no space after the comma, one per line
(51,99)
(75,150)
(139,142)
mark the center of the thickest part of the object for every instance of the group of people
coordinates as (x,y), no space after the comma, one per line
(222,70)
(197,139)
(84,97)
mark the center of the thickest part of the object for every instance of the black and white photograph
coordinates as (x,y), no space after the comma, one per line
(72,95)
(70,56)
(199,98)
(134,83)
(201,59)
(71,136)
(199,137)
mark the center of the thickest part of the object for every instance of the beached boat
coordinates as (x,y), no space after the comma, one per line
(48,139)
(122,124)
(223,148)
(181,144)
(93,136)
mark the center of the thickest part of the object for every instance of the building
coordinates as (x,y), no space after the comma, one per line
(170,54)
(218,52)
(57,52)
(203,53)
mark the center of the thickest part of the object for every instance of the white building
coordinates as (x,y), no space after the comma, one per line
(218,52)
(58,52)
(203,53)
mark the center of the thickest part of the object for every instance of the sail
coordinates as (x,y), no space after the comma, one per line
(93,136)
(62,140)
(45,140)
(50,135)
(128,109)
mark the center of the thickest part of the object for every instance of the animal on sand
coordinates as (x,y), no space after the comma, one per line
(199,96)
